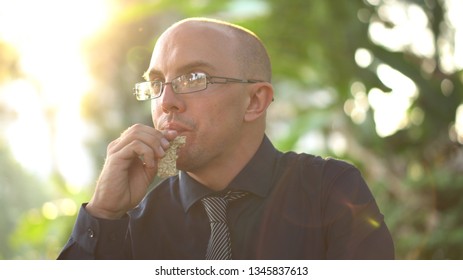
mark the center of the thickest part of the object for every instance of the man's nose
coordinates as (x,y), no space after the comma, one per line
(171,101)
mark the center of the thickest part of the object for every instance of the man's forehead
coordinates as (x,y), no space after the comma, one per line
(195,44)
(193,35)
(198,32)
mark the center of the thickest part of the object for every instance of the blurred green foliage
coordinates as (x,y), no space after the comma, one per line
(415,173)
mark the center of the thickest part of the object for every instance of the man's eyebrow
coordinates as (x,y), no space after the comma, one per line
(150,73)
(182,70)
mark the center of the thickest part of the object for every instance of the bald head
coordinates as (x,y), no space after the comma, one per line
(246,49)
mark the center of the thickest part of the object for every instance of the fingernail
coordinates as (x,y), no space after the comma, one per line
(172,132)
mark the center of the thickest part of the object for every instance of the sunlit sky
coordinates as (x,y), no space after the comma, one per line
(49,34)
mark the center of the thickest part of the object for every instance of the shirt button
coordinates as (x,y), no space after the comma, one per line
(90,233)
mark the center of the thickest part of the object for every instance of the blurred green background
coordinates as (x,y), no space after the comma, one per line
(376,82)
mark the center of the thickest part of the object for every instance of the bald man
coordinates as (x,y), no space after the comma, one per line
(236,196)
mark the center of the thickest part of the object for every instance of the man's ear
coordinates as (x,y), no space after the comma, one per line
(260,97)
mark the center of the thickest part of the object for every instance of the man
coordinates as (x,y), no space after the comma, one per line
(210,82)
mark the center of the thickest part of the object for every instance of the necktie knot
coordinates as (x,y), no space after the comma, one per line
(216,208)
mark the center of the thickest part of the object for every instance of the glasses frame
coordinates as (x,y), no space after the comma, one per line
(209,80)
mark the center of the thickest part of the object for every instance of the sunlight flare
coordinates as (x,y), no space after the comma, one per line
(48,131)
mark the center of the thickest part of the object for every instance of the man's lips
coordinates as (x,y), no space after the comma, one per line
(175,122)
(175,126)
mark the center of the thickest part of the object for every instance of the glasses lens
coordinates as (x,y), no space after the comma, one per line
(140,91)
(190,83)
(147,90)
(155,88)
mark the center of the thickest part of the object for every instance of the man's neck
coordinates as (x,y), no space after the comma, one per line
(218,175)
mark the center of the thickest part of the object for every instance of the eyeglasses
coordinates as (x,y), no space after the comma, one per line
(188,83)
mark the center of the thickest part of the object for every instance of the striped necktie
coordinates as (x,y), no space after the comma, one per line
(219,247)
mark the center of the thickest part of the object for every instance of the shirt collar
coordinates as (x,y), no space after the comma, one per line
(255,177)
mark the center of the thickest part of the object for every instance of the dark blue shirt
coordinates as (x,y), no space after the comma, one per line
(299,207)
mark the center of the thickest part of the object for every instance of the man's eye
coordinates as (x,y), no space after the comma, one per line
(195,76)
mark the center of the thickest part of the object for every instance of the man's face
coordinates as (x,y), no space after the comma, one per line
(211,119)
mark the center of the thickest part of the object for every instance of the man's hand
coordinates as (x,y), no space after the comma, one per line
(130,167)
